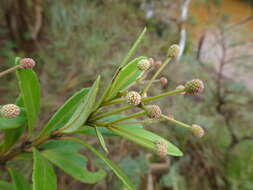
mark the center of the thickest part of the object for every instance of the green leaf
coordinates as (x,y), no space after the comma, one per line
(73,164)
(12,123)
(30,91)
(84,110)
(6,186)
(145,138)
(101,139)
(20,183)
(43,177)
(64,113)
(61,145)
(125,78)
(117,171)
(11,136)
(24,157)
(91,131)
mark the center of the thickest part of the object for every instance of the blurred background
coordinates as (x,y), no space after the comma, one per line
(73,41)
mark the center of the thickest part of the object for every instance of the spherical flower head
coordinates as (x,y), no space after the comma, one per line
(161,148)
(133,98)
(197,130)
(194,86)
(181,87)
(163,81)
(10,111)
(144,64)
(173,50)
(27,63)
(154,111)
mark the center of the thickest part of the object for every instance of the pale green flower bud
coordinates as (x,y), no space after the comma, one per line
(161,148)
(197,130)
(173,50)
(133,98)
(194,86)
(144,64)
(154,111)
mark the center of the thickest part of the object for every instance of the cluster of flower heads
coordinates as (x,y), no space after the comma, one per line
(134,98)
(193,87)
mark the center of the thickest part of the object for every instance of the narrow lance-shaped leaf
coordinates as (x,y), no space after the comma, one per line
(61,145)
(83,110)
(117,171)
(64,113)
(101,139)
(18,180)
(145,138)
(43,177)
(30,92)
(73,164)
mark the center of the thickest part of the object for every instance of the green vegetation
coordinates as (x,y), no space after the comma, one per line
(83,38)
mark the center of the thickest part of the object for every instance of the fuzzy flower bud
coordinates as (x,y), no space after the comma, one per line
(163,81)
(144,64)
(154,111)
(161,148)
(158,64)
(10,111)
(180,87)
(194,86)
(173,50)
(133,98)
(27,63)
(197,130)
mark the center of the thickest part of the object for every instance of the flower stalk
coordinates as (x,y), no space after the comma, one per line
(179,123)
(155,75)
(132,116)
(127,107)
(170,93)
(112,112)
(9,70)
